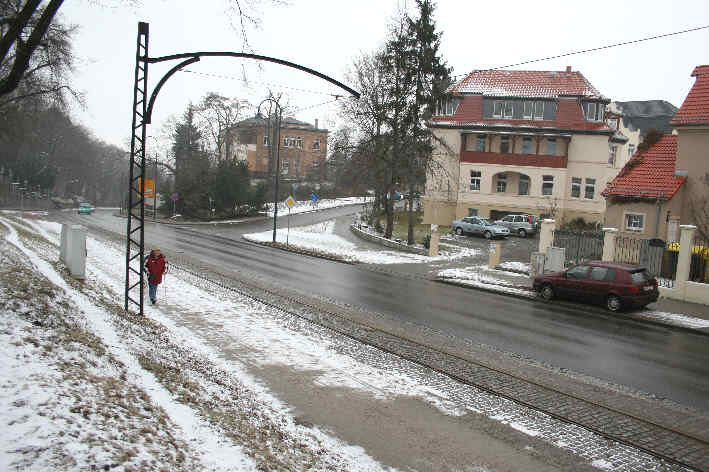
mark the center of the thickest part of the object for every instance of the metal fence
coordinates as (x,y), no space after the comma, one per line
(659,258)
(698,268)
(579,246)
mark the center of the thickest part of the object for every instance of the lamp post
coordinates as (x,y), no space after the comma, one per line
(279,113)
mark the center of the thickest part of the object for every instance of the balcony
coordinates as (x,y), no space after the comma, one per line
(516,160)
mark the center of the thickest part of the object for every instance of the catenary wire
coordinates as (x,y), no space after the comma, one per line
(599,48)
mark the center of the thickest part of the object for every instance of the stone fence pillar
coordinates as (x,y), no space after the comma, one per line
(546,235)
(609,238)
(684,259)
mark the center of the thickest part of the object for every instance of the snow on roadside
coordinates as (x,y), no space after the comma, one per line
(320,238)
(675,319)
(216,452)
(322,204)
(516,266)
(258,332)
(481,276)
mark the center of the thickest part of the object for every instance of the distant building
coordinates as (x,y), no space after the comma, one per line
(303,147)
(658,189)
(514,141)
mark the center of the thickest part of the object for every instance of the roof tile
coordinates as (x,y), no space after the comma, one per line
(650,174)
(526,83)
(695,109)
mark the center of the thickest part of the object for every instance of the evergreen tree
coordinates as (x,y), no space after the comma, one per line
(192,181)
(232,186)
(431,79)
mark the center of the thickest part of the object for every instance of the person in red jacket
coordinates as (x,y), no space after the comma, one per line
(156,266)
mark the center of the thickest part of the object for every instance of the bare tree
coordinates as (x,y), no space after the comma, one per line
(217,117)
(36,56)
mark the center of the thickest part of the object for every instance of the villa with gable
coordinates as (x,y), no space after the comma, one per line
(521,142)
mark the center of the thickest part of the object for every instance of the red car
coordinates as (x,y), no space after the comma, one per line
(614,285)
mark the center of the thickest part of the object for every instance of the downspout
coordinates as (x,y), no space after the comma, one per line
(657,216)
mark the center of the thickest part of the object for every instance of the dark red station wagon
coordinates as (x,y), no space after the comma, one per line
(614,285)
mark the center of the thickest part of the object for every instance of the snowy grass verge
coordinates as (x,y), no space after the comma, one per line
(320,238)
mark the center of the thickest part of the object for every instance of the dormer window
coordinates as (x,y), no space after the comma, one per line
(594,111)
(448,106)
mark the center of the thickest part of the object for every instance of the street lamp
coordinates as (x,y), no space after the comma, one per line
(279,114)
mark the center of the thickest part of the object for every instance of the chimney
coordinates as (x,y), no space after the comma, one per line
(316,123)
(568,68)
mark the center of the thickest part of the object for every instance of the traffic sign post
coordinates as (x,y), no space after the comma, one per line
(290,201)
(175,197)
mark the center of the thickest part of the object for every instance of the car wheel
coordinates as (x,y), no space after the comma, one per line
(459,231)
(522,233)
(488,235)
(546,292)
(613,303)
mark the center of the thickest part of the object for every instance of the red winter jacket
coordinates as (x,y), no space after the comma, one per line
(156,268)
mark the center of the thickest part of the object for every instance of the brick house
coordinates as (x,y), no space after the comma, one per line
(303,147)
(521,141)
(663,187)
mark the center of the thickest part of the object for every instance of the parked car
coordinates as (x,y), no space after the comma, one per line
(520,224)
(480,226)
(614,285)
(85,208)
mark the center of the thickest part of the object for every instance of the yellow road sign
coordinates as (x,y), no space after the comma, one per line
(290,201)
(149,187)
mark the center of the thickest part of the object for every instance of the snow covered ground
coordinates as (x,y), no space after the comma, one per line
(322,204)
(320,238)
(85,386)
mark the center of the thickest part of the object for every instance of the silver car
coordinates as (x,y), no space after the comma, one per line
(480,226)
(522,225)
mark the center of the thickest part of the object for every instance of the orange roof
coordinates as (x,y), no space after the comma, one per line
(695,109)
(650,174)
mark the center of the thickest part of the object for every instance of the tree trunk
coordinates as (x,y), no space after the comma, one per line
(412,223)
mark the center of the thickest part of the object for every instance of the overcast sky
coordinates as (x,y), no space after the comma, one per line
(327,34)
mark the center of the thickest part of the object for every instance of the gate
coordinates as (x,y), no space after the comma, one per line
(653,254)
(579,246)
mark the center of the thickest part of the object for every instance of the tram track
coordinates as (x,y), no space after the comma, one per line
(665,443)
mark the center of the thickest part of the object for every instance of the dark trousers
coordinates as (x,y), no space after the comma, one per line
(153,291)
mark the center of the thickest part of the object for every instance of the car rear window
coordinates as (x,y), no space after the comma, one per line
(602,274)
(639,276)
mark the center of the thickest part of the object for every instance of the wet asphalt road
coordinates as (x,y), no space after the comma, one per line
(666,362)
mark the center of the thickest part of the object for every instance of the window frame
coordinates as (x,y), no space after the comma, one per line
(480,139)
(266,140)
(549,146)
(539,106)
(525,140)
(316,144)
(612,154)
(523,178)
(634,229)
(547,180)
(589,183)
(501,183)
(509,105)
(285,165)
(506,139)
(580,266)
(498,104)
(528,114)
(474,178)
(576,187)
(299,142)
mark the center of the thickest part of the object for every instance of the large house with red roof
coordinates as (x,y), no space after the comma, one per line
(663,187)
(521,142)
